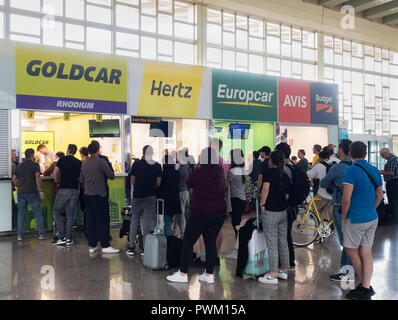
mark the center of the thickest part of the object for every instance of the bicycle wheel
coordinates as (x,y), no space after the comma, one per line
(304,233)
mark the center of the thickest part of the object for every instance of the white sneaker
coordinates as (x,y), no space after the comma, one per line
(110,250)
(233,255)
(282,275)
(177,277)
(268,279)
(93,250)
(205,278)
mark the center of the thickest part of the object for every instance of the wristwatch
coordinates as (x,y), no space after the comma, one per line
(262,205)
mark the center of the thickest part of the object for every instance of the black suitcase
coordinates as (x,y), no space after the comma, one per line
(383,211)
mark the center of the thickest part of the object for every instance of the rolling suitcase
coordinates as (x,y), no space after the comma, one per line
(258,263)
(155,245)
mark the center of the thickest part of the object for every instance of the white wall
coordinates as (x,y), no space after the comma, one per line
(186,133)
(395,145)
(6,209)
(305,138)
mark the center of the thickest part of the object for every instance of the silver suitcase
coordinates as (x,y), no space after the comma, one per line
(155,247)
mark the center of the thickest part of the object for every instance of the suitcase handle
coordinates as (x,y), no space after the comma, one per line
(257,210)
(159,213)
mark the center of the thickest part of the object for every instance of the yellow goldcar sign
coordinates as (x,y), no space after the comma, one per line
(170,90)
(32,139)
(67,81)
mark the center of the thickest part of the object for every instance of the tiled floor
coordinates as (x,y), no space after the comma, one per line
(34,269)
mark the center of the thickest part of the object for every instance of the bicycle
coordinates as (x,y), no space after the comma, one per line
(309,226)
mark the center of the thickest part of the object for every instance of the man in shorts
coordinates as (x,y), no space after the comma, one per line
(362,194)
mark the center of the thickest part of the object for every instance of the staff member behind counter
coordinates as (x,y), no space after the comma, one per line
(47,155)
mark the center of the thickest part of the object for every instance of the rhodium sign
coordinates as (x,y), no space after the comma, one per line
(294,101)
(244,96)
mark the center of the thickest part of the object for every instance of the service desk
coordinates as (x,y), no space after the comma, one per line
(116,203)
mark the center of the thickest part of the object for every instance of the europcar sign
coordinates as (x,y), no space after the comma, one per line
(244,96)
(68,81)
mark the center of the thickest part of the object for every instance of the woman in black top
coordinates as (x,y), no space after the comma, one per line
(169,191)
(274,202)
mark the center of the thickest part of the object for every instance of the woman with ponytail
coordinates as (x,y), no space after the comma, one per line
(208,210)
(236,180)
(274,204)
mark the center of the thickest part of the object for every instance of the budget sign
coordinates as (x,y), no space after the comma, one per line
(324,103)
(243,96)
(294,101)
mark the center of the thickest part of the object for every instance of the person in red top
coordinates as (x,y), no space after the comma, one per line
(208,211)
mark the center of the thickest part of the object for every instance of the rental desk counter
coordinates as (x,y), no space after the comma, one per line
(116,203)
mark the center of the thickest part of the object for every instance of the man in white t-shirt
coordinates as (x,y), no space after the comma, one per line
(319,171)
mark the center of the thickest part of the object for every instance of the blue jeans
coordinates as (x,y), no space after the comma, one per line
(345,261)
(167,226)
(34,201)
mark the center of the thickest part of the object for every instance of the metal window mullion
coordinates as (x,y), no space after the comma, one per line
(63,25)
(7,19)
(265,55)
(113,24)
(85,24)
(202,35)
(173,29)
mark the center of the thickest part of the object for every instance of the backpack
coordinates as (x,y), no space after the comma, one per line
(329,189)
(348,163)
(300,187)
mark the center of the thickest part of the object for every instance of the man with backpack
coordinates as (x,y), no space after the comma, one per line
(300,187)
(334,179)
(324,201)
(362,194)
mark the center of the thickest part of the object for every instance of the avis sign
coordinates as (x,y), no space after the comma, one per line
(243,96)
(294,101)
(308,102)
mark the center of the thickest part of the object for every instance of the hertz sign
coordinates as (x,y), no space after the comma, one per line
(170,90)
(69,81)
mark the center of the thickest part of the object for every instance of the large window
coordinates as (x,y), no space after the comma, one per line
(149,29)
(169,30)
(251,44)
(365,75)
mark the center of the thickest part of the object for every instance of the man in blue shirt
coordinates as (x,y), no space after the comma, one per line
(362,194)
(335,178)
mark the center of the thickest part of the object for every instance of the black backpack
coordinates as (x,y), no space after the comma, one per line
(329,189)
(300,187)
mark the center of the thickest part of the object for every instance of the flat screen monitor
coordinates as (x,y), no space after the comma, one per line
(163,129)
(105,128)
(238,131)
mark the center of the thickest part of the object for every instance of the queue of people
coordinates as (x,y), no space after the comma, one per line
(347,188)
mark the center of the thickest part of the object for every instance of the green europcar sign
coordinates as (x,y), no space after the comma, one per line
(242,96)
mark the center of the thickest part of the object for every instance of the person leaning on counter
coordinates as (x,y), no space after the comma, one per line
(28,182)
(94,172)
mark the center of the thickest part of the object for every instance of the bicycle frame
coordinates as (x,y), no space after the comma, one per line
(318,216)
